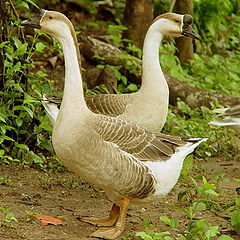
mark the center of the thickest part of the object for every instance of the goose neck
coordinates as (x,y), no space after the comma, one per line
(73,87)
(152,75)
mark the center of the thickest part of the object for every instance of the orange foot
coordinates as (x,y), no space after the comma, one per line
(107,233)
(116,230)
(100,222)
(104,222)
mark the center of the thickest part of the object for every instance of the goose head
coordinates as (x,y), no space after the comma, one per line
(175,25)
(50,22)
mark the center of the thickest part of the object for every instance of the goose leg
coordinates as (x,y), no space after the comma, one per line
(104,222)
(116,230)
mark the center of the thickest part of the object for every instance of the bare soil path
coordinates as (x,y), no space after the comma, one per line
(67,197)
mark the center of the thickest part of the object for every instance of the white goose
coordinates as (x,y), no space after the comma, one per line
(149,106)
(132,165)
(231,118)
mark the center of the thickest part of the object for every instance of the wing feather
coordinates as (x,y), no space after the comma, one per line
(108,104)
(135,140)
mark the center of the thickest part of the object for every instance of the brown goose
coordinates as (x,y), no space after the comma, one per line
(148,107)
(231,118)
(132,165)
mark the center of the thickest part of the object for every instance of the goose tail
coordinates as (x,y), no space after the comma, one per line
(190,146)
(220,110)
(51,109)
(227,121)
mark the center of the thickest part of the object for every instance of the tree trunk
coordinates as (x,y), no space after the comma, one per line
(138,16)
(184,45)
(4,23)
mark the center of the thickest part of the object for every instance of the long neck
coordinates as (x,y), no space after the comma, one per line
(73,89)
(152,75)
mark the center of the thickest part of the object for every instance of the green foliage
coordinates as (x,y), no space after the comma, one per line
(89,5)
(24,129)
(4,180)
(218,73)
(6,216)
(25,4)
(205,189)
(182,120)
(195,229)
(218,25)
(235,219)
(115,32)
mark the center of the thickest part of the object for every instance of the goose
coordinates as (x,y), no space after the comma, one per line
(147,107)
(132,165)
(231,118)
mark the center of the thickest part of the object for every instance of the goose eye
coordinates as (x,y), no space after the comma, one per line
(50,17)
(177,21)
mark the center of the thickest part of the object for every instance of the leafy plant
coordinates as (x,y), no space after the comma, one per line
(4,180)
(205,189)
(196,229)
(217,25)
(24,129)
(235,219)
(7,216)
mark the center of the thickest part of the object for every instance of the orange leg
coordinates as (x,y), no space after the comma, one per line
(104,222)
(116,230)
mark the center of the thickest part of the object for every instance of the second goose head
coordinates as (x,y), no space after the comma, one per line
(175,25)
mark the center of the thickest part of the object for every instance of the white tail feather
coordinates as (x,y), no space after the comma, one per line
(227,121)
(51,109)
(220,110)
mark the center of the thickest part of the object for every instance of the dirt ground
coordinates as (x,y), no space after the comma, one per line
(67,197)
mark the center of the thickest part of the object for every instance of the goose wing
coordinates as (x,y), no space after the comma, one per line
(108,104)
(136,140)
(231,116)
(233,111)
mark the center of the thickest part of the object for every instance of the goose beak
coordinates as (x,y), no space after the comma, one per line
(34,22)
(188,31)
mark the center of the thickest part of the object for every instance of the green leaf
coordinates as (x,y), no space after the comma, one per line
(19,122)
(165,219)
(237,201)
(133,87)
(124,79)
(40,47)
(24,108)
(32,3)
(225,237)
(22,5)
(22,146)
(235,221)
(200,206)
(174,223)
(3,129)
(1,152)
(6,138)
(212,232)
(144,236)
(187,165)
(211,192)
(34,157)
(2,119)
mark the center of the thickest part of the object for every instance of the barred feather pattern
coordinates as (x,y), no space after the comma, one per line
(108,104)
(136,140)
